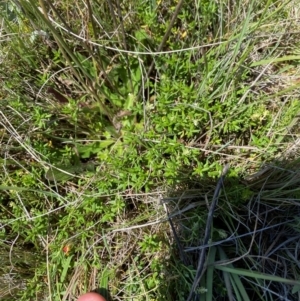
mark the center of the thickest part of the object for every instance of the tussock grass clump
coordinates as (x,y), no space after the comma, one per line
(253,248)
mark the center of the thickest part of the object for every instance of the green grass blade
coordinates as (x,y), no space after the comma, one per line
(20,189)
(237,285)
(104,278)
(210,274)
(227,279)
(257,275)
(276,60)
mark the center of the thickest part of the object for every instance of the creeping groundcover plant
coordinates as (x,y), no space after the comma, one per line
(149,150)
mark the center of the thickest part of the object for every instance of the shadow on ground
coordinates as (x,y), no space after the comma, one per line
(252,251)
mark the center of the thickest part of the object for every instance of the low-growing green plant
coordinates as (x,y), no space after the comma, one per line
(109,107)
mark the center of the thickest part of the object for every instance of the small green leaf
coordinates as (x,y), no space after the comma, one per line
(296,289)
(63,173)
(66,266)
